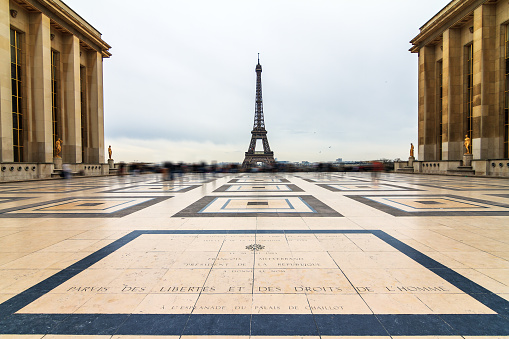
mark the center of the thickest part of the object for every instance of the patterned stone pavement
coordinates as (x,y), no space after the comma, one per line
(255,255)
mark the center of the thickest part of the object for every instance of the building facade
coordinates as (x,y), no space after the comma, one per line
(51,89)
(463,54)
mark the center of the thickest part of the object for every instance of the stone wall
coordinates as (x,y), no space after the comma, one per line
(491,168)
(25,171)
(35,171)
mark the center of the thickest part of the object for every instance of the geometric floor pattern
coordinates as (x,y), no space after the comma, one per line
(432,205)
(468,187)
(47,189)
(258,206)
(154,188)
(189,290)
(255,256)
(250,179)
(364,187)
(258,188)
(82,207)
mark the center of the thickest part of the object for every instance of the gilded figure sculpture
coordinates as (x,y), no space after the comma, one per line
(467,144)
(58,147)
(109,151)
(411,150)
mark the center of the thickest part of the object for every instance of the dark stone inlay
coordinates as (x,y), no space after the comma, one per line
(477,325)
(351,325)
(428,202)
(283,325)
(500,195)
(37,323)
(414,324)
(85,324)
(154,324)
(258,324)
(218,324)
(90,204)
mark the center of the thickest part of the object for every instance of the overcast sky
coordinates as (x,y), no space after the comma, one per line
(338,80)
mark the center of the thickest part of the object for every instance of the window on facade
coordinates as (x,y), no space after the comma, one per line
(506,95)
(17,113)
(470,88)
(440,117)
(54,98)
(83,76)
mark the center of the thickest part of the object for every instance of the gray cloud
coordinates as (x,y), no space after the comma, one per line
(335,73)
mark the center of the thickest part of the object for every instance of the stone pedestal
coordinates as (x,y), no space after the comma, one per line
(467,160)
(111,163)
(58,163)
(411,161)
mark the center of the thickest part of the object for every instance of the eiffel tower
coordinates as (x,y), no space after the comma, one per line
(258,133)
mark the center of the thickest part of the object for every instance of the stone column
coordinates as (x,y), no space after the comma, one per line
(71,150)
(6,151)
(452,141)
(41,147)
(95,105)
(485,114)
(427,104)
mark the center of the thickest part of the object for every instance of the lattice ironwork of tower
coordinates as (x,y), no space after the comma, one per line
(258,133)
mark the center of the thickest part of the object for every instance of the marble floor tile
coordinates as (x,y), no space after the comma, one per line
(309,255)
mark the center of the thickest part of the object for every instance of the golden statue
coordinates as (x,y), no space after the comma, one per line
(411,150)
(58,147)
(467,144)
(109,151)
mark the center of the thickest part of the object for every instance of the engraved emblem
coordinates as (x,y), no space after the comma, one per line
(255,247)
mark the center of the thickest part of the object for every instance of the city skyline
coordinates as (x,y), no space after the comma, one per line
(338,79)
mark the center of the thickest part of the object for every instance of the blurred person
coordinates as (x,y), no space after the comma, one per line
(213,168)
(376,168)
(181,169)
(121,172)
(134,171)
(202,169)
(66,171)
(169,169)
(121,169)
(164,173)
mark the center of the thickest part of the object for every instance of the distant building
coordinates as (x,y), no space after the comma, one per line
(51,89)
(464,87)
